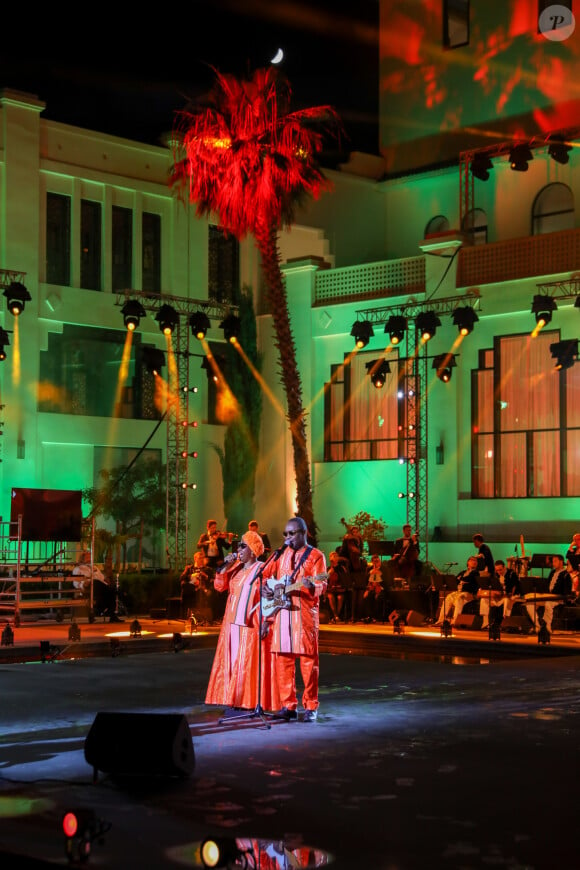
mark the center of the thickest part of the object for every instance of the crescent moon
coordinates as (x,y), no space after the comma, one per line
(278,57)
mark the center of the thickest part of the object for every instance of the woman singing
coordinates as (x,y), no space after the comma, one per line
(235,671)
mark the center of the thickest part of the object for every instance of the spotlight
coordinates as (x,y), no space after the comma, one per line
(199,322)
(81,828)
(401,495)
(221,853)
(427,323)
(464,319)
(189,485)
(362,331)
(167,318)
(565,353)
(480,166)
(444,363)
(559,151)
(378,370)
(17,296)
(520,156)
(153,359)
(395,328)
(231,327)
(185,454)
(189,389)
(542,307)
(4,342)
(186,423)
(132,312)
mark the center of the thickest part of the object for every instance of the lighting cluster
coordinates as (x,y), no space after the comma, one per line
(520,156)
(167,318)
(426,324)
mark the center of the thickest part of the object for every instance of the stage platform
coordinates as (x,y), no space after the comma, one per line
(151,635)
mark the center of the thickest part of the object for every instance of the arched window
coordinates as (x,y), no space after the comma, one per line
(475,225)
(553,209)
(437,224)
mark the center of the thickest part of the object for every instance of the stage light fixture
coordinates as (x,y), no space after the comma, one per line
(16,297)
(153,359)
(378,370)
(222,853)
(464,319)
(186,423)
(231,326)
(167,318)
(189,389)
(395,328)
(443,363)
(135,628)
(520,157)
(132,312)
(427,323)
(559,151)
(185,454)
(480,166)
(199,322)
(565,353)
(4,343)
(362,331)
(401,495)
(543,307)
(189,485)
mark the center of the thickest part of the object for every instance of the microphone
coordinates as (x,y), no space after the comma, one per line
(280,550)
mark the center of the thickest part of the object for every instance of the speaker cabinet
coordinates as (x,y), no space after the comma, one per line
(415,618)
(140,744)
(516,624)
(468,621)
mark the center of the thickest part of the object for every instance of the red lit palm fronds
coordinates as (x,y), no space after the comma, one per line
(246,157)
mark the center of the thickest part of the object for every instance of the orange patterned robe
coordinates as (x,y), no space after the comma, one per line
(295,630)
(234,675)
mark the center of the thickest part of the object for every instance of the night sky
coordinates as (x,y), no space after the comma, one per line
(129,78)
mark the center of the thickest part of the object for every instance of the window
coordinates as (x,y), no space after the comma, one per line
(223,266)
(455,23)
(58,239)
(475,225)
(361,421)
(525,421)
(90,245)
(73,384)
(437,224)
(553,209)
(151,226)
(122,248)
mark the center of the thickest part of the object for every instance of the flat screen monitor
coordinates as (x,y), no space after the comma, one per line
(47,514)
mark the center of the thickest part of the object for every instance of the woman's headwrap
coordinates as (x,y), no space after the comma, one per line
(254,542)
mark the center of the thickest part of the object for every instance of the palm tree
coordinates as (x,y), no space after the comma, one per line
(245,157)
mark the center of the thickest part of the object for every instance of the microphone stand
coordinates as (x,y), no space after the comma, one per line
(258,712)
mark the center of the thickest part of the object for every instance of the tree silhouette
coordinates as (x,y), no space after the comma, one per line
(245,157)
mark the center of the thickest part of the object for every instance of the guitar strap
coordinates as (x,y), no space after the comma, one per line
(303,558)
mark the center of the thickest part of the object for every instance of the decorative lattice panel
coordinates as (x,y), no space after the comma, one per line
(547,254)
(371,281)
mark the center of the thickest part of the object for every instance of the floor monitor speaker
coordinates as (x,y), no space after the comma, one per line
(469,621)
(415,618)
(516,624)
(140,744)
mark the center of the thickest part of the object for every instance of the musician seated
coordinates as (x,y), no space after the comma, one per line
(505,597)
(467,588)
(559,590)
(374,594)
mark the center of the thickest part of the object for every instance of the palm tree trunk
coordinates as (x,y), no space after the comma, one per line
(267,241)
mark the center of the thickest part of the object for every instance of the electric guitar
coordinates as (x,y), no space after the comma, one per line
(280,587)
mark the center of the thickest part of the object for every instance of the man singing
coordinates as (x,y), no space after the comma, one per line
(295,627)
